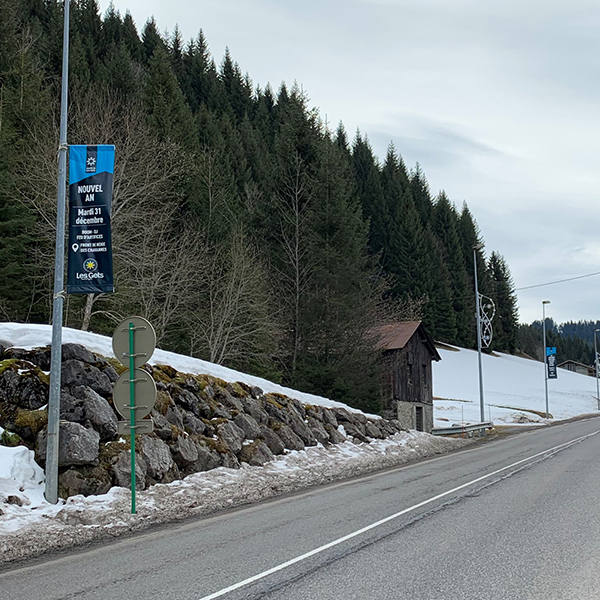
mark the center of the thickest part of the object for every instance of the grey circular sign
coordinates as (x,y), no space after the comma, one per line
(145,394)
(144,341)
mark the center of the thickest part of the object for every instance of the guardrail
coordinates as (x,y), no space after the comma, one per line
(467,430)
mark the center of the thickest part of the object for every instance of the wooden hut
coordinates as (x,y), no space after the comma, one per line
(408,352)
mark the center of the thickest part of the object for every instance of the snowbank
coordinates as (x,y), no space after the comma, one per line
(28,530)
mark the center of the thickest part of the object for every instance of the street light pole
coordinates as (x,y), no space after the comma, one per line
(544,302)
(596,365)
(477,312)
(51,491)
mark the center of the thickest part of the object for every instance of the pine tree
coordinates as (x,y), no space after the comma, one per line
(444,224)
(507,316)
(167,110)
(370,192)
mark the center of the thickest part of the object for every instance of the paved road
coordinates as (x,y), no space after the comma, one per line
(487,522)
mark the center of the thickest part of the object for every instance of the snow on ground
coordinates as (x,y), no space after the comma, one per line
(513,387)
(30,530)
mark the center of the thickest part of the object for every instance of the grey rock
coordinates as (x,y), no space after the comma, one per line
(192,385)
(157,456)
(300,428)
(318,430)
(27,392)
(40,357)
(99,413)
(77,352)
(299,407)
(186,399)
(184,451)
(353,431)
(272,440)
(162,427)
(386,427)
(335,436)
(290,440)
(373,431)
(341,414)
(192,424)
(275,413)
(360,417)
(173,474)
(256,392)
(248,425)
(220,412)
(71,408)
(76,445)
(74,482)
(231,434)
(121,468)
(230,461)
(76,373)
(175,416)
(329,417)
(111,374)
(256,454)
(230,402)
(255,410)
(207,459)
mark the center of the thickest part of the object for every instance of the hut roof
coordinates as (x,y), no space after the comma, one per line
(395,336)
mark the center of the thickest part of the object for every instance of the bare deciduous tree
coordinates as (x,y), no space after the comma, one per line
(146,236)
(234,321)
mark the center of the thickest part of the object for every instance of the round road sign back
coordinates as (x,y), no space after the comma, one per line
(144,341)
(145,394)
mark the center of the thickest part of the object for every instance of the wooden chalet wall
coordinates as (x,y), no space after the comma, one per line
(408,374)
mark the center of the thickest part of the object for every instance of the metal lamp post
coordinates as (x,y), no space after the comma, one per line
(478,313)
(51,492)
(596,365)
(544,302)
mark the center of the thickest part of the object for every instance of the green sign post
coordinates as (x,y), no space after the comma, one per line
(134,341)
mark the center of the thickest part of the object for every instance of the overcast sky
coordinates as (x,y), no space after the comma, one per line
(498,100)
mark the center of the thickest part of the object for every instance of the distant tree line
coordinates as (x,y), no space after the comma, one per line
(249,232)
(573,340)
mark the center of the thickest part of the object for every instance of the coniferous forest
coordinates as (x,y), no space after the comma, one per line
(249,231)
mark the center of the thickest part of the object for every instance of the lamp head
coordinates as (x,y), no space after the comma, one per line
(479,246)
(545,301)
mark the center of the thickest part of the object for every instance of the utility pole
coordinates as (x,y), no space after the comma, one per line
(51,492)
(596,365)
(478,313)
(544,302)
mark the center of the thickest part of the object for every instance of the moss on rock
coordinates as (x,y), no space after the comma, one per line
(28,423)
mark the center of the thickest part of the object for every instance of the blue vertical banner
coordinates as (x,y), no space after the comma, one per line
(90,269)
(551,362)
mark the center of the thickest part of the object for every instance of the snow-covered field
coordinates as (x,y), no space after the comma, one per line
(512,388)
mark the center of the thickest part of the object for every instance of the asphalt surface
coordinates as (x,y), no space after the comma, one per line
(525,530)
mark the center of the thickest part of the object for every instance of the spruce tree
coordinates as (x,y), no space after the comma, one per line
(503,293)
(444,224)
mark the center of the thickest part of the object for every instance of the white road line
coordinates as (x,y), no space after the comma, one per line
(293,561)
